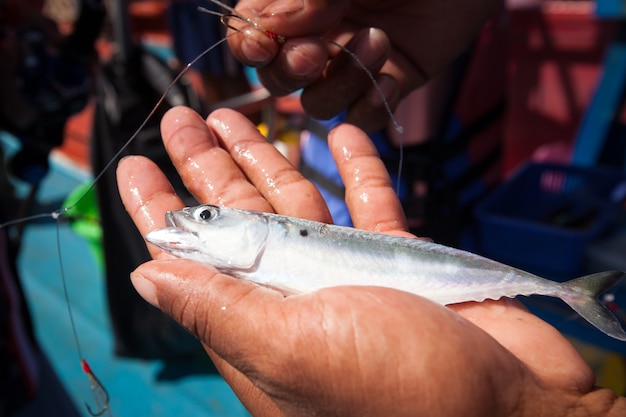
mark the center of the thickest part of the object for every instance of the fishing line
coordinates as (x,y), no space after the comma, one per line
(101,396)
(392,117)
(115,157)
(224,19)
(65,291)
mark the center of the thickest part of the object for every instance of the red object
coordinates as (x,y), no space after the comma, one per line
(85,366)
(556,53)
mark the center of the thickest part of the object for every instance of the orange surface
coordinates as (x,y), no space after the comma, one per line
(75,144)
(555,60)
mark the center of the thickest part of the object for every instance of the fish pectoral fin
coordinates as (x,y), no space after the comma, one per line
(174,241)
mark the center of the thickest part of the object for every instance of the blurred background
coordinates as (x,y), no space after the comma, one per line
(517,152)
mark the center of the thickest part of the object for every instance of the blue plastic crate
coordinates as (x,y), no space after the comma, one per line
(542,219)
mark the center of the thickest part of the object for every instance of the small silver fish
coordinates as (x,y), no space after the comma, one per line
(299,256)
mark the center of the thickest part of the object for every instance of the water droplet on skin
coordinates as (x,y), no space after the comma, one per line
(147,217)
(364,197)
(198,174)
(223,128)
(346,153)
(244,153)
(134,191)
(271,183)
(193,163)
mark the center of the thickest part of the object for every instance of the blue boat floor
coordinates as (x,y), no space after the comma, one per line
(136,387)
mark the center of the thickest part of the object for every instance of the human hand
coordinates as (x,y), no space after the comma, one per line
(351,351)
(414,40)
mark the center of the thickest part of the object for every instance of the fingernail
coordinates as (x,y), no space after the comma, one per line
(253,51)
(372,47)
(145,288)
(282,7)
(300,62)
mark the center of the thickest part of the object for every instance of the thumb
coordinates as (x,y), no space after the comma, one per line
(288,19)
(293,18)
(215,308)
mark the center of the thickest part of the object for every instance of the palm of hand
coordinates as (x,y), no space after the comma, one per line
(343,351)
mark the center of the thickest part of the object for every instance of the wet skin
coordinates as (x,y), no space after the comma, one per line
(347,350)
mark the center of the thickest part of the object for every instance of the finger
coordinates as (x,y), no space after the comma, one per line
(298,63)
(253,47)
(236,320)
(348,75)
(370,196)
(293,19)
(146,194)
(279,182)
(205,302)
(373,110)
(207,170)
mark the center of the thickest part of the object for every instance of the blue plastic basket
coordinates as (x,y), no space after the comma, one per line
(542,219)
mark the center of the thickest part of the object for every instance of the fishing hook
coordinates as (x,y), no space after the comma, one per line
(224,19)
(100,393)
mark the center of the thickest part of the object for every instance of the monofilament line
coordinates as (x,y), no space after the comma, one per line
(63,210)
(64,285)
(146,120)
(398,128)
(281,39)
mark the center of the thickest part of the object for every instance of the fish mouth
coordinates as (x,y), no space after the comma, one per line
(175,238)
(176,220)
(170,219)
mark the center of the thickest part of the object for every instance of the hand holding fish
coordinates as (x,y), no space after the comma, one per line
(414,40)
(352,351)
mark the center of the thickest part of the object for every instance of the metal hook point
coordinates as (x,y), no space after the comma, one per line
(225,20)
(104,409)
(100,393)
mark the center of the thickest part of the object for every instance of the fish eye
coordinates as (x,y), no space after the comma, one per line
(206,213)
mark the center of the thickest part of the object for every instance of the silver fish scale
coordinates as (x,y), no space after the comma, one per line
(299,256)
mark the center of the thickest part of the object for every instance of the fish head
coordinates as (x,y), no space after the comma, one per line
(228,239)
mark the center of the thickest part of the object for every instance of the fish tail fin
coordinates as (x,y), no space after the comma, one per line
(581,294)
